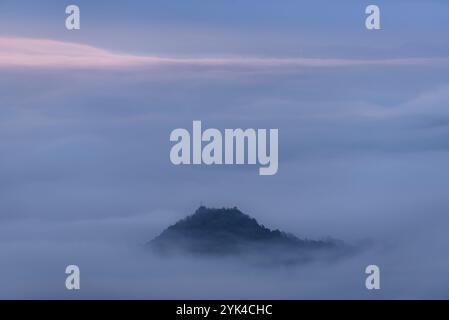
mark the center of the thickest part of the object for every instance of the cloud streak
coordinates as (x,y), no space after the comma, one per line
(44,53)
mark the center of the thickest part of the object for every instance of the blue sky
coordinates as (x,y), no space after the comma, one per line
(311,28)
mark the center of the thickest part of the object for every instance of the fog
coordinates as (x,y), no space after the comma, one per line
(115,264)
(86,180)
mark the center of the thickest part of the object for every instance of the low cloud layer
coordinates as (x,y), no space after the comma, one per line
(115,264)
(85,175)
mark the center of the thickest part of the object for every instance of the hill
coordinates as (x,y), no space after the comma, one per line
(229,232)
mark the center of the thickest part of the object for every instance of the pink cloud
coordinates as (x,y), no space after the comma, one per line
(44,53)
(23,52)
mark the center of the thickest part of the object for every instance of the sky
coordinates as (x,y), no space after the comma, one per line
(85,119)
